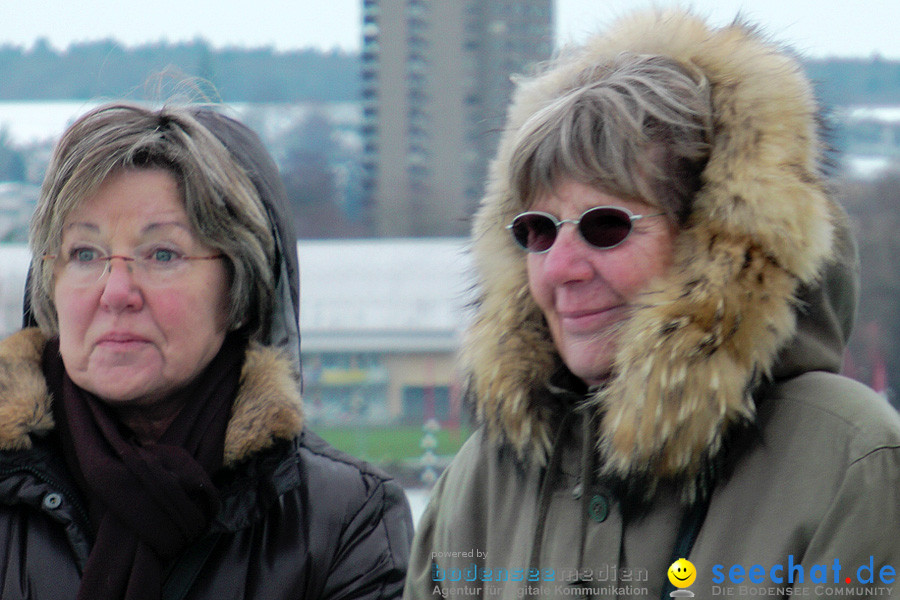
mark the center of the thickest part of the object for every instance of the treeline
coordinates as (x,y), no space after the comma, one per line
(874,208)
(104,69)
(856,81)
(107,69)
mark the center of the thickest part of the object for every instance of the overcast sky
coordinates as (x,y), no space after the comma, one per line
(816,28)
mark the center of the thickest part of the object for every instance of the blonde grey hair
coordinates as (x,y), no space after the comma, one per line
(222,204)
(637,127)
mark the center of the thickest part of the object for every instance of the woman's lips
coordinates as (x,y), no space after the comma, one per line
(591,320)
(121,341)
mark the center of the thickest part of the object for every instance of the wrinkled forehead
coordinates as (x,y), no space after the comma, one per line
(570,194)
(137,232)
(88,201)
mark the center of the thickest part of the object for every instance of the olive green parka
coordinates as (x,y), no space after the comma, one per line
(725,434)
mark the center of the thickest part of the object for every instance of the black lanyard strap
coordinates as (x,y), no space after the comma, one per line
(691,522)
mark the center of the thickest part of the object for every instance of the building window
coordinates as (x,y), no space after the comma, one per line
(423,403)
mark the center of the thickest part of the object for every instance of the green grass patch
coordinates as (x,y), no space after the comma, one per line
(391,445)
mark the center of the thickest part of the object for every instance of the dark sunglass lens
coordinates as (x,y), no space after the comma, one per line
(534,232)
(605,227)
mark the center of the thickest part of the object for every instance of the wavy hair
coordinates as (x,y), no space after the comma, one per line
(222,204)
(637,127)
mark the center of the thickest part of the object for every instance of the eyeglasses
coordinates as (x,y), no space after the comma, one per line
(84,266)
(602,227)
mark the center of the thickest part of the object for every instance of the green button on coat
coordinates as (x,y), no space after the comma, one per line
(599,508)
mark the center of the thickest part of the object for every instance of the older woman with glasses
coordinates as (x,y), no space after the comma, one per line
(665,294)
(152,442)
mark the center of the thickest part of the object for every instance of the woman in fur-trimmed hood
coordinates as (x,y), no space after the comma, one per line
(152,442)
(666,289)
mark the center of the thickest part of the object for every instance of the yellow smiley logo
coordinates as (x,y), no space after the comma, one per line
(682,573)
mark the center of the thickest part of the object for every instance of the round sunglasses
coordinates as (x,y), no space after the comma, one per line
(602,227)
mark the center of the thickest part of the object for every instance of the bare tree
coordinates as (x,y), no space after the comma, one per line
(874,207)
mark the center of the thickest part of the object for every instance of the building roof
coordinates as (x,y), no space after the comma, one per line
(395,295)
(398,295)
(14,259)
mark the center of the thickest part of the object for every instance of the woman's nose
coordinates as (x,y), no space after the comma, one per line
(120,289)
(567,259)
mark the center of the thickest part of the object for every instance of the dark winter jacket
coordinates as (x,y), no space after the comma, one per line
(298,519)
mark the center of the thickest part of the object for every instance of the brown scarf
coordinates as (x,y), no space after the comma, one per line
(147,501)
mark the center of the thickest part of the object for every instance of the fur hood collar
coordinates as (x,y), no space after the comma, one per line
(266,409)
(721,321)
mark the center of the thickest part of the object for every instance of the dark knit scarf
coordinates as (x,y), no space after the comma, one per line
(147,501)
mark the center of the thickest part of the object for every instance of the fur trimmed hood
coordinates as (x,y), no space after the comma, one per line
(267,407)
(704,337)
